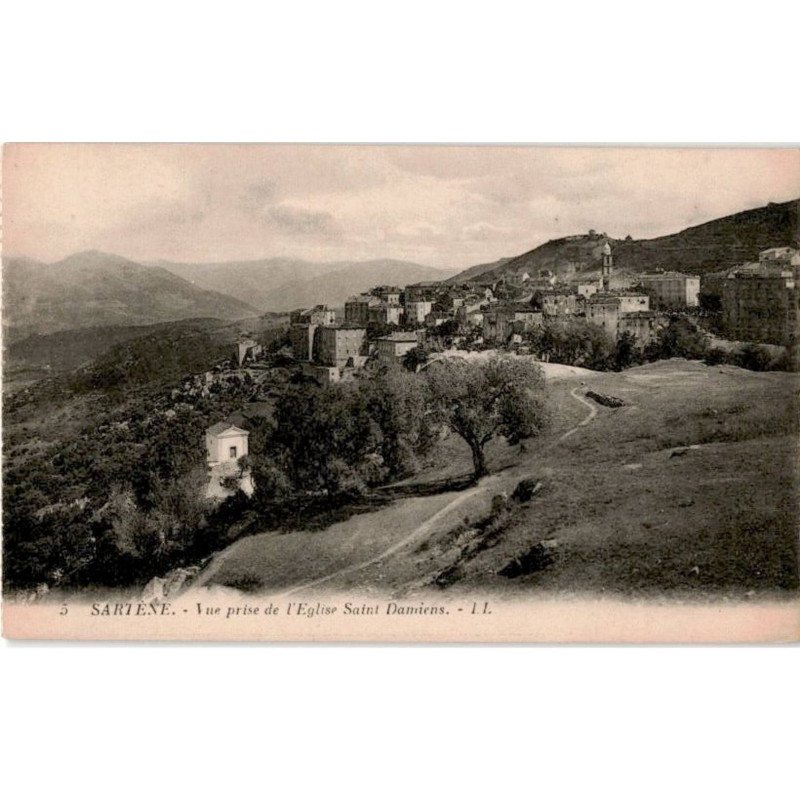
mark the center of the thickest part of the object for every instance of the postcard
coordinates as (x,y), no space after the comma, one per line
(400,393)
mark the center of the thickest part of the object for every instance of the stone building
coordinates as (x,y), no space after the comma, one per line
(500,322)
(425,291)
(317,315)
(558,302)
(397,344)
(301,338)
(671,289)
(335,346)
(608,309)
(323,375)
(247,350)
(437,317)
(470,319)
(385,313)
(417,310)
(357,308)
(586,289)
(760,308)
(644,325)
(389,294)
(783,256)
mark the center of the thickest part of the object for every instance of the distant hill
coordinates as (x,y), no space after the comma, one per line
(51,354)
(712,246)
(67,350)
(336,286)
(91,289)
(279,284)
(253,282)
(114,357)
(479,269)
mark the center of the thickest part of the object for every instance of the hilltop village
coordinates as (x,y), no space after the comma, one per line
(754,302)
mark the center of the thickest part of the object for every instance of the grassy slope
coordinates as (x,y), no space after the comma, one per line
(719,519)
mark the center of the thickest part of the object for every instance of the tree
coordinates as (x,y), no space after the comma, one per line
(503,396)
(377,329)
(415,358)
(576,342)
(321,440)
(447,329)
(626,353)
(681,338)
(396,400)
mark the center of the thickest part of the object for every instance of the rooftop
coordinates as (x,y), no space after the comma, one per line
(617,294)
(223,427)
(399,336)
(344,326)
(666,274)
(640,314)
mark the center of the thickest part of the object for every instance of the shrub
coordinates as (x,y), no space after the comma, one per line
(755,358)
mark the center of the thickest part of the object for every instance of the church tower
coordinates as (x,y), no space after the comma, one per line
(608,265)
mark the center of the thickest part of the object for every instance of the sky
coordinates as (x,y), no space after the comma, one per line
(445,206)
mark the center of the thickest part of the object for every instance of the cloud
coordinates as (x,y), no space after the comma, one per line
(294,219)
(483,231)
(256,195)
(442,205)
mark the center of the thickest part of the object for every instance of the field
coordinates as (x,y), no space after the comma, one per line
(688,490)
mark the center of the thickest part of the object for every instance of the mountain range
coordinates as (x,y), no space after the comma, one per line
(281,284)
(97,290)
(91,289)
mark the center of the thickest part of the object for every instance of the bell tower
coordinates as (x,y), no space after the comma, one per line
(608,265)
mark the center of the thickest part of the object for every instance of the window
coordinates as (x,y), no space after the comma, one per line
(233,452)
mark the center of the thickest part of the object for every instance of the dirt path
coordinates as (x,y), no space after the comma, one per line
(585,421)
(426,526)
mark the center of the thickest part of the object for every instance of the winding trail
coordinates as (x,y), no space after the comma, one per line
(425,527)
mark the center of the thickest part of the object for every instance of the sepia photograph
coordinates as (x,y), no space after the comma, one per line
(400,392)
(399,401)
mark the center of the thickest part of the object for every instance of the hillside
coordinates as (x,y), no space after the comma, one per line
(280,284)
(687,491)
(479,269)
(50,355)
(91,289)
(711,246)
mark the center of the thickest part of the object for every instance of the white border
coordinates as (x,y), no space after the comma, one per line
(135,721)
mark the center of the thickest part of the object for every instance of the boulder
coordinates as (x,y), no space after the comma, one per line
(605,399)
(539,557)
(526,489)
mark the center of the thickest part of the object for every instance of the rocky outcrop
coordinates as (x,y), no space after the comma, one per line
(171,585)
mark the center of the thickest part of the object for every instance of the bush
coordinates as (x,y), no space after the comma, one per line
(681,338)
(716,355)
(755,358)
